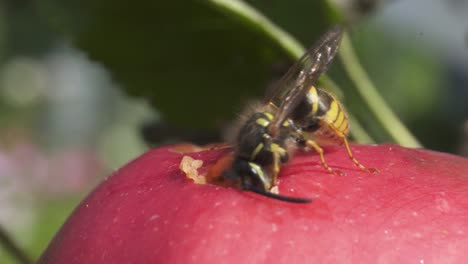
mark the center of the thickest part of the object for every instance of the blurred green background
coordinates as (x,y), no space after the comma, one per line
(80,79)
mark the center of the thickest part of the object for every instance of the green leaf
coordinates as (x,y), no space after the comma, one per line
(196,63)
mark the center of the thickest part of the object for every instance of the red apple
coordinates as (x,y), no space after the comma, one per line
(414,211)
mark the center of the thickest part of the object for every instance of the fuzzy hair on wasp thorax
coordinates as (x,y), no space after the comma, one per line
(295,114)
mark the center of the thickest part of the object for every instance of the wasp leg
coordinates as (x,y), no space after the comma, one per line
(350,153)
(276,168)
(279,154)
(319,150)
(303,140)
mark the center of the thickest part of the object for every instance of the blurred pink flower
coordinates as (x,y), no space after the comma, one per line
(66,171)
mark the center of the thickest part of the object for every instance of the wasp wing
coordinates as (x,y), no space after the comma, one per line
(295,84)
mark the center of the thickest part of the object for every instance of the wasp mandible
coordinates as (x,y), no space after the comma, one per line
(292,115)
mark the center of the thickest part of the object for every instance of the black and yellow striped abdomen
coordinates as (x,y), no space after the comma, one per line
(336,115)
(320,110)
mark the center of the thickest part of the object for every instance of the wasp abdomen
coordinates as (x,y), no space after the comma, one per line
(335,115)
(319,107)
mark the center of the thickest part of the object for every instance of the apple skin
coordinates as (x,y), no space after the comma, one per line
(414,211)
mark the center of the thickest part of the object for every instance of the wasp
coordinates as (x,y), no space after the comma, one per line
(294,115)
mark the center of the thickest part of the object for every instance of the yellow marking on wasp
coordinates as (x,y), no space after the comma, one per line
(339,119)
(332,112)
(261,174)
(278,153)
(256,151)
(275,148)
(343,127)
(269,115)
(313,96)
(262,122)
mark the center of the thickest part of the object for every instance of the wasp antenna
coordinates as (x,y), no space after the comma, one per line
(279,197)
